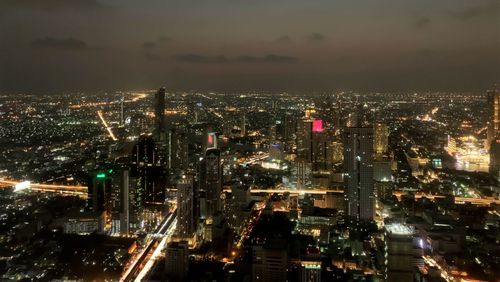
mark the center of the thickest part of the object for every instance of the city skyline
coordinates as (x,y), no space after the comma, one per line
(250,140)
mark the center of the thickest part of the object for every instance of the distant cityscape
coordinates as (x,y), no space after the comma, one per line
(157,185)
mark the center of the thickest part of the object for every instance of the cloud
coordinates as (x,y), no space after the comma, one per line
(151,57)
(271,58)
(422,22)
(53,5)
(153,44)
(201,59)
(489,10)
(59,44)
(148,45)
(316,37)
(282,40)
(165,39)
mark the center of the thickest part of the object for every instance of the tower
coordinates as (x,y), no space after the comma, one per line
(100,194)
(213,185)
(185,206)
(176,261)
(159,130)
(121,203)
(146,167)
(358,163)
(399,252)
(381,133)
(493,125)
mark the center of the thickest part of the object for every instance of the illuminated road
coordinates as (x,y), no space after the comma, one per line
(81,191)
(141,264)
(137,97)
(99,113)
(73,190)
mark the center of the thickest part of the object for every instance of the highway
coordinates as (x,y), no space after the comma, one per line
(108,128)
(81,191)
(141,264)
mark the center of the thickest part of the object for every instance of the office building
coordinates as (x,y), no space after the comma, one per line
(100,195)
(121,203)
(213,182)
(269,261)
(495,159)
(358,165)
(185,206)
(381,139)
(147,167)
(399,253)
(159,106)
(176,261)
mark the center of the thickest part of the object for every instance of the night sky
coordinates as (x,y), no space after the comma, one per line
(240,45)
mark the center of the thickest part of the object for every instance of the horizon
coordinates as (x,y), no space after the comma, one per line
(228,46)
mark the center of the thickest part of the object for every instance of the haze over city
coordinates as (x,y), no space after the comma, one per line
(249,45)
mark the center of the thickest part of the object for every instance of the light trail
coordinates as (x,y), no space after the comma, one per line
(99,113)
(81,191)
(156,253)
(137,265)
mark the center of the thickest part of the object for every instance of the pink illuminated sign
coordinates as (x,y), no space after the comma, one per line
(317,125)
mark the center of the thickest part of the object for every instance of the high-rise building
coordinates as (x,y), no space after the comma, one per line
(100,194)
(310,271)
(493,130)
(313,143)
(399,256)
(269,262)
(159,130)
(495,159)
(185,206)
(177,148)
(121,203)
(320,147)
(358,163)
(381,134)
(176,261)
(146,166)
(304,139)
(213,184)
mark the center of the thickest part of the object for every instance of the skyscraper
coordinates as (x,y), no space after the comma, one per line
(185,206)
(304,139)
(358,164)
(213,185)
(120,204)
(495,159)
(159,130)
(399,252)
(176,261)
(100,194)
(493,130)
(381,133)
(147,168)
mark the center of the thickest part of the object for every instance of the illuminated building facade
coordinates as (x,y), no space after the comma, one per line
(147,168)
(494,113)
(185,206)
(381,134)
(213,184)
(121,203)
(159,106)
(495,158)
(177,260)
(399,253)
(358,163)
(100,195)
